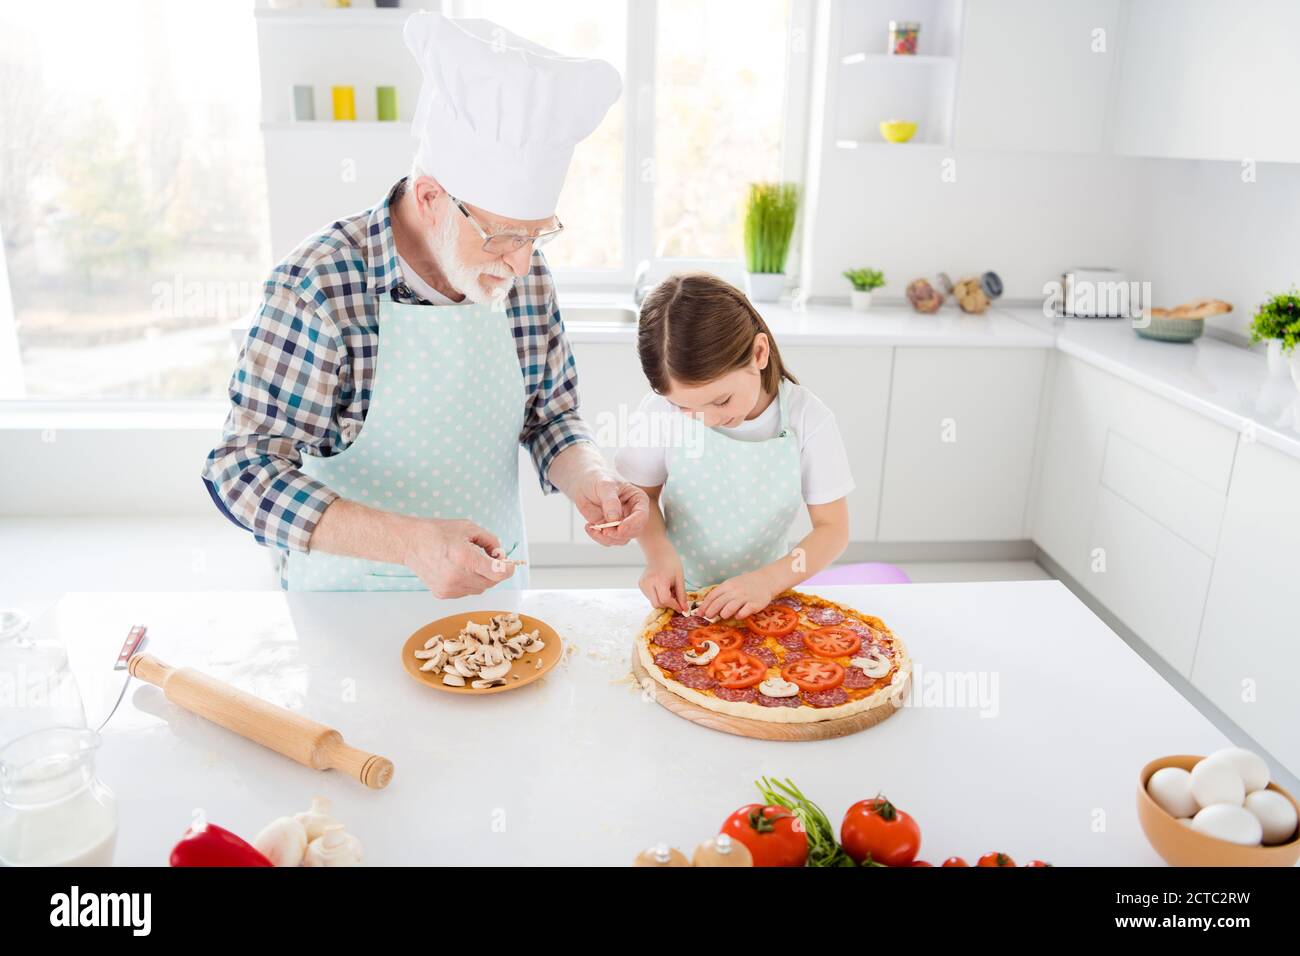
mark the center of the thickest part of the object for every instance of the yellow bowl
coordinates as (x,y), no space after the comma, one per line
(1180,845)
(897,131)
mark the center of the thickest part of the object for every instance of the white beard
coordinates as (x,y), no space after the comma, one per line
(463,277)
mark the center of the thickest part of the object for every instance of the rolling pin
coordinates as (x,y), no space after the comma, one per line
(309,743)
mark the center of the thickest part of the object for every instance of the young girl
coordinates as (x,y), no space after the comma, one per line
(762,445)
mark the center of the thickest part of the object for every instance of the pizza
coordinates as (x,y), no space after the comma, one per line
(801,659)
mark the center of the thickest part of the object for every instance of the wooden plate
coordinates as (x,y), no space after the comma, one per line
(762,729)
(523,671)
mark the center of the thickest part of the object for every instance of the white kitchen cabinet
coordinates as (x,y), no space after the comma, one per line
(855,386)
(1035,74)
(611,385)
(960,444)
(1204,79)
(546,517)
(1148,577)
(1248,658)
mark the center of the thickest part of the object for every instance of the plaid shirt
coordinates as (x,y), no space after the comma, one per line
(305,373)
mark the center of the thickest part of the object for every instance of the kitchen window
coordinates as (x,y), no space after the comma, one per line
(133,192)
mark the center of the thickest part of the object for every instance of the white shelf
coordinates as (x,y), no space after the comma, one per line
(335,17)
(339,126)
(852,59)
(851,144)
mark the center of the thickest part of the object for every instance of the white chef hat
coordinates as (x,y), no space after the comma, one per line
(499,116)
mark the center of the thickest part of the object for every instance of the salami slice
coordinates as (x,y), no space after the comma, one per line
(764,654)
(743,695)
(793,640)
(860,629)
(687,622)
(671,638)
(778,701)
(671,660)
(796,655)
(788,601)
(823,616)
(695,677)
(855,679)
(826,698)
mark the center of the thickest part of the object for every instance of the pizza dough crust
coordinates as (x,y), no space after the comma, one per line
(888,696)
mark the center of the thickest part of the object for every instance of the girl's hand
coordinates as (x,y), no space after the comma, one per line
(737,597)
(664,585)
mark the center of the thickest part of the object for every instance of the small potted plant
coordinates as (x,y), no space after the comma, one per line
(1278,323)
(770,213)
(864,280)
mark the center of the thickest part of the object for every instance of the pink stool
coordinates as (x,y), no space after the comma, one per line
(869,573)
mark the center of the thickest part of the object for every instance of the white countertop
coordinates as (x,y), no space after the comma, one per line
(580,768)
(1222,381)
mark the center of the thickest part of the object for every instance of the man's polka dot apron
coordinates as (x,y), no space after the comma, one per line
(728,504)
(440,440)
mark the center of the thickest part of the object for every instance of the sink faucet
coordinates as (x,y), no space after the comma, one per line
(640,285)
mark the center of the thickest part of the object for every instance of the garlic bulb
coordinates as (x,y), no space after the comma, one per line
(334,847)
(283,841)
(316,819)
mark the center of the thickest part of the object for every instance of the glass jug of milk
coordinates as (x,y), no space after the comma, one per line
(53,809)
(37,689)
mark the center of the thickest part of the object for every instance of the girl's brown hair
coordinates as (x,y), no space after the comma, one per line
(695,328)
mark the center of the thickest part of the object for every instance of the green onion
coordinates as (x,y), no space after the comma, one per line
(823,850)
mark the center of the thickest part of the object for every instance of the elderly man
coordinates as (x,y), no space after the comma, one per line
(400,358)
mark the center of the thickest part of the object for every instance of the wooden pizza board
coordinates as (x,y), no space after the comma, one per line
(762,729)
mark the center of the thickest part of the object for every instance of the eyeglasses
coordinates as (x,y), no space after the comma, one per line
(504,243)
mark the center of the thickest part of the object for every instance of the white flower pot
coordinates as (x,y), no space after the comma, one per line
(765,286)
(861,300)
(1295,367)
(1277,362)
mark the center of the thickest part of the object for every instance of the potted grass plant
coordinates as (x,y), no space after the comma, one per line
(770,211)
(1277,322)
(864,281)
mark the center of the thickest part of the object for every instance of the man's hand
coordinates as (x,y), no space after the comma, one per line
(603,496)
(454,558)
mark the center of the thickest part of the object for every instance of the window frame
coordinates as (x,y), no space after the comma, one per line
(638,212)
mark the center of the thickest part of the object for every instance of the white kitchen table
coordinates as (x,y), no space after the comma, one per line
(580,768)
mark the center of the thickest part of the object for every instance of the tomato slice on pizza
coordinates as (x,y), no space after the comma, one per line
(832,642)
(773,621)
(736,670)
(812,674)
(727,638)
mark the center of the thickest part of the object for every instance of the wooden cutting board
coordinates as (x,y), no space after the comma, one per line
(760,729)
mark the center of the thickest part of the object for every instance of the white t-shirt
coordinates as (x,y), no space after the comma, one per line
(824,465)
(421,288)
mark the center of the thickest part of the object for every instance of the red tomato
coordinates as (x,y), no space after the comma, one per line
(955,861)
(736,669)
(996,859)
(773,835)
(832,642)
(813,675)
(1037,863)
(727,638)
(920,863)
(773,621)
(878,830)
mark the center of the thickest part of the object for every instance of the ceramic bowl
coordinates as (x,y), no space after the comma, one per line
(897,131)
(1180,845)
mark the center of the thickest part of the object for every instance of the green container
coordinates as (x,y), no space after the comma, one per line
(1172,330)
(386,103)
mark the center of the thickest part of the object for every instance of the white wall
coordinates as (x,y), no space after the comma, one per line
(1026,216)
(1206,232)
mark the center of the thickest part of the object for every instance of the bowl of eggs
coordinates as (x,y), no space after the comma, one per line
(1220,810)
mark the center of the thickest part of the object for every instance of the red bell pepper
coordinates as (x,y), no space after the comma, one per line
(210,845)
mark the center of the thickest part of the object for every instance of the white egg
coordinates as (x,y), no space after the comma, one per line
(1276,814)
(1171,789)
(1185,821)
(1215,780)
(1250,766)
(1231,823)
